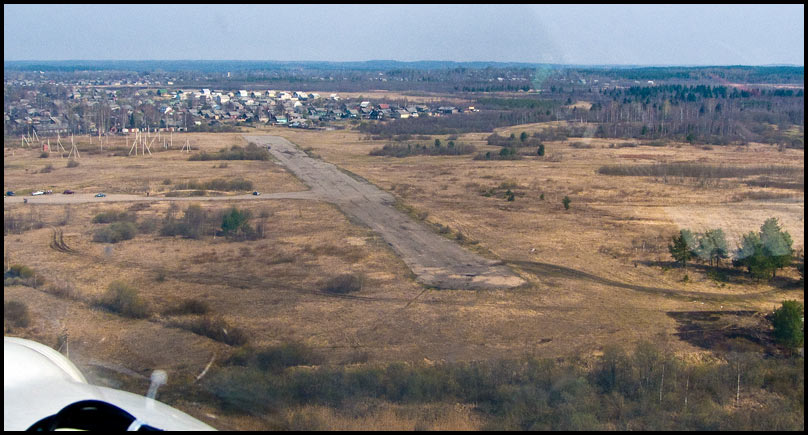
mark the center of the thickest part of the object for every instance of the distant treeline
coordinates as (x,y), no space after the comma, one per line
(737,74)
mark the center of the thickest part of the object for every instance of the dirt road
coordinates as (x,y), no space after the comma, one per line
(435,260)
(82,198)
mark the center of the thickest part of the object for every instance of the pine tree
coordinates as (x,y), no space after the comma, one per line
(712,246)
(788,324)
(682,247)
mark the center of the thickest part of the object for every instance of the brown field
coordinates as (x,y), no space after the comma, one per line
(100,172)
(598,274)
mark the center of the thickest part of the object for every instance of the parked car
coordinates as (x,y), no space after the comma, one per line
(100,195)
(9,193)
(37,193)
(67,192)
(256,193)
(48,192)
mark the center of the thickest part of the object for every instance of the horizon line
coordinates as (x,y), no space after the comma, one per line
(662,65)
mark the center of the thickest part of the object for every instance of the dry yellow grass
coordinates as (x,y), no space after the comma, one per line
(592,271)
(101,172)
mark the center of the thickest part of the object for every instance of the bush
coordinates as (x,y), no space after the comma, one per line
(788,324)
(72,163)
(44,155)
(18,274)
(217,184)
(506,153)
(46,169)
(18,270)
(15,314)
(276,358)
(113,216)
(189,306)
(566,201)
(509,195)
(216,329)
(698,170)
(235,223)
(122,299)
(116,232)
(63,289)
(191,226)
(343,284)
(251,152)
(424,150)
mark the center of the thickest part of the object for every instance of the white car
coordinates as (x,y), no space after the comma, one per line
(38,192)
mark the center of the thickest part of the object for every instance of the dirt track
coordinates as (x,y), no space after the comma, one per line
(82,198)
(435,260)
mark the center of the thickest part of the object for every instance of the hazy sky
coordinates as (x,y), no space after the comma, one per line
(569,34)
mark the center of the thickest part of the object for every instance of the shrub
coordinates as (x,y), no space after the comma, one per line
(18,270)
(506,153)
(216,329)
(788,324)
(46,169)
(191,226)
(18,274)
(342,284)
(116,232)
(402,150)
(509,195)
(566,201)
(189,306)
(72,163)
(107,217)
(122,299)
(15,313)
(251,152)
(699,170)
(63,289)
(276,358)
(167,181)
(217,184)
(235,224)
(44,155)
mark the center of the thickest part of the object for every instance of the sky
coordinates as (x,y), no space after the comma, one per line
(561,34)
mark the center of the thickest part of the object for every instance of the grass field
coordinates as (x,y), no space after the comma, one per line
(598,273)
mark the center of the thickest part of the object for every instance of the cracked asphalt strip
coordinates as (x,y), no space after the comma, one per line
(435,260)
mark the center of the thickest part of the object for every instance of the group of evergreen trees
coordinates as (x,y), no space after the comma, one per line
(761,253)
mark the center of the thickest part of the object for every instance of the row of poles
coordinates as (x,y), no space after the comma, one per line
(142,142)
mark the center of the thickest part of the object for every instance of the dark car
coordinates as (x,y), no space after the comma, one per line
(100,195)
(67,192)
(9,193)
(256,193)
